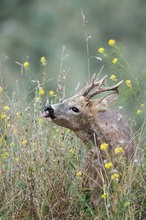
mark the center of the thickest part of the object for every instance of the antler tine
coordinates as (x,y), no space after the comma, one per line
(91,84)
(100,82)
(100,89)
(93,77)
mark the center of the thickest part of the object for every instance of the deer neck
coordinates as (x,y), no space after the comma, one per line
(91,135)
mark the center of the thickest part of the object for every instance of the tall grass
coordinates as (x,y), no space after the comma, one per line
(41,166)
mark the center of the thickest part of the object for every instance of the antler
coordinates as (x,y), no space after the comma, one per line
(91,84)
(110,88)
(85,91)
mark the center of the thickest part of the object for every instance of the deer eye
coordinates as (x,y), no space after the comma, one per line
(74,109)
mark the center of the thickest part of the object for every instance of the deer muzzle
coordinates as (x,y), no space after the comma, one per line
(48,112)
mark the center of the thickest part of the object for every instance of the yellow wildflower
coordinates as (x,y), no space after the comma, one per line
(6,154)
(103,146)
(51,93)
(6,108)
(71,151)
(139,111)
(113,77)
(3,116)
(119,150)
(79,173)
(115,60)
(1,90)
(11,144)
(108,165)
(8,125)
(101,50)
(41,91)
(15,131)
(111,42)
(142,105)
(18,114)
(37,98)
(26,64)
(126,204)
(43,61)
(57,130)
(115,176)
(104,195)
(16,159)
(24,142)
(128,83)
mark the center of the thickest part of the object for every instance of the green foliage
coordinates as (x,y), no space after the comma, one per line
(40,28)
(117,67)
(41,165)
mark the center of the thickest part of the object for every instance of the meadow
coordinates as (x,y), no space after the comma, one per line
(41,164)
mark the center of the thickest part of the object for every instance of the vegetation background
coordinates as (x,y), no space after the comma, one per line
(40,28)
(32,187)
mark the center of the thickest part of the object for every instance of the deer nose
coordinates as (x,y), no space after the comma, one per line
(48,108)
(48,112)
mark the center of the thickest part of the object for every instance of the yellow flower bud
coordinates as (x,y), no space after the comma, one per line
(119,150)
(128,83)
(51,93)
(101,50)
(111,42)
(6,108)
(113,77)
(79,173)
(108,165)
(104,195)
(26,64)
(43,61)
(103,146)
(115,60)
(115,176)
(24,142)
(139,111)
(41,91)
(3,116)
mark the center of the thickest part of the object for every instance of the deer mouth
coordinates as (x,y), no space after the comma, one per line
(48,112)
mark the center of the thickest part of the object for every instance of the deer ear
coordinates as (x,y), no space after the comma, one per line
(104,103)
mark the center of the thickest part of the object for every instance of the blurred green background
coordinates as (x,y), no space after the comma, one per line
(30,29)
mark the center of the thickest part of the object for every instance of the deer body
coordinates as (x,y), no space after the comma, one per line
(93,122)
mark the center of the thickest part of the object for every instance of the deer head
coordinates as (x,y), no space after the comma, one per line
(78,111)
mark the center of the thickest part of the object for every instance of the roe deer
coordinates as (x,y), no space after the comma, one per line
(95,124)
